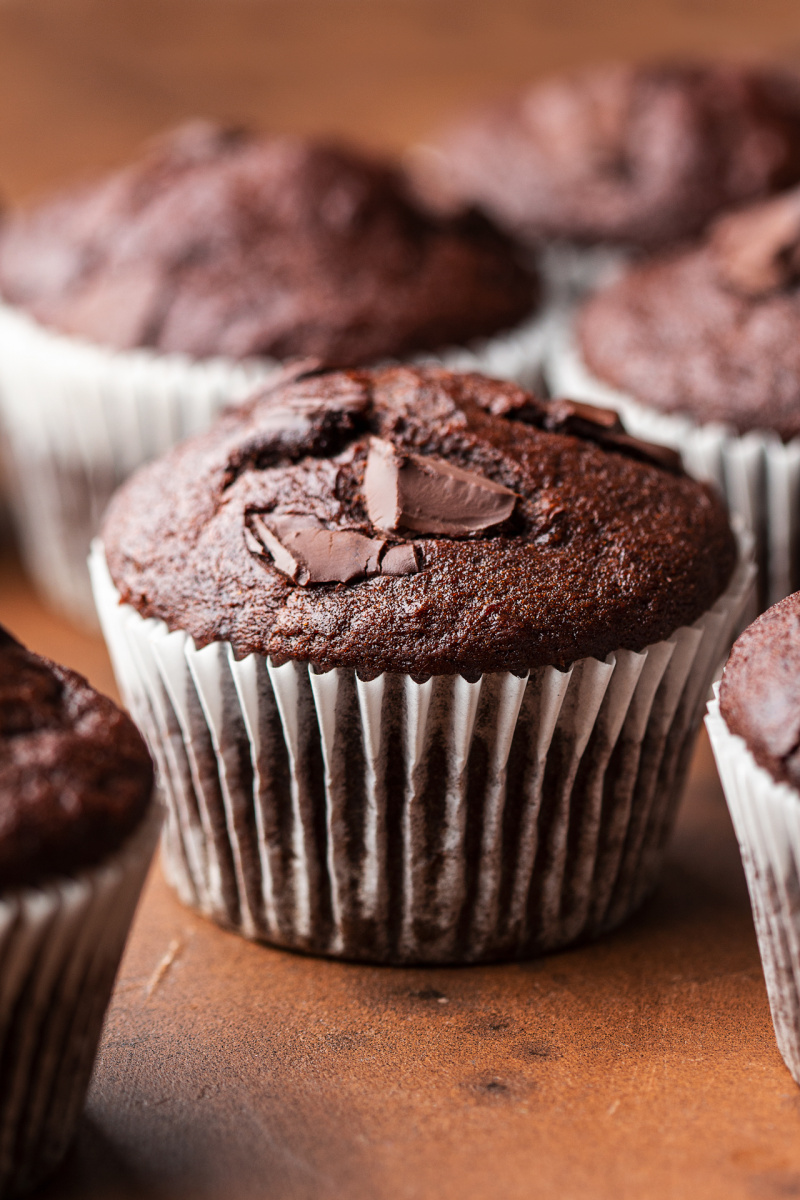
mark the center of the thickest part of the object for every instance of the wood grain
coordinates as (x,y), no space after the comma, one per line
(642,1066)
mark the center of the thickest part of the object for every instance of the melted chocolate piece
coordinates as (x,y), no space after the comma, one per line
(402,559)
(758,251)
(603,425)
(429,495)
(305,550)
(562,415)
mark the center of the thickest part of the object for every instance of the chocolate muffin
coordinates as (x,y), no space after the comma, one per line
(222,243)
(711,331)
(760,690)
(429,623)
(699,348)
(137,304)
(77,829)
(639,155)
(566,517)
(754,726)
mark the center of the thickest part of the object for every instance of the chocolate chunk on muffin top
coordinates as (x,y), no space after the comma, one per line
(418,521)
(711,331)
(75,776)
(760,690)
(223,243)
(636,154)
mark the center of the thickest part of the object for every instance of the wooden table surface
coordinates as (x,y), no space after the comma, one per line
(642,1066)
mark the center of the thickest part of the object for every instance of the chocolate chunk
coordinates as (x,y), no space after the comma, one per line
(561,414)
(430,495)
(305,550)
(400,560)
(653,452)
(758,251)
(602,425)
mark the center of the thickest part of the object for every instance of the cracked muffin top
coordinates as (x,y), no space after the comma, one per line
(760,690)
(639,155)
(711,331)
(418,521)
(218,242)
(75,776)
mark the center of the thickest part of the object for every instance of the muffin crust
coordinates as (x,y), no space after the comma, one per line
(75,777)
(223,243)
(711,331)
(640,155)
(760,690)
(607,546)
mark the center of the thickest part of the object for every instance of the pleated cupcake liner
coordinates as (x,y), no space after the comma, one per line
(60,947)
(395,821)
(757,474)
(80,418)
(766,818)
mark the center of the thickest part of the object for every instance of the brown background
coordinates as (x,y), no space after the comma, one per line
(643,1066)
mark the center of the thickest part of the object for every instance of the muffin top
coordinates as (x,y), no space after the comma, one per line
(760,690)
(640,155)
(418,521)
(711,331)
(75,777)
(222,243)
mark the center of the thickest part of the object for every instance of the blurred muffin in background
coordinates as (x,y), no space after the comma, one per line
(699,348)
(135,305)
(77,831)
(624,156)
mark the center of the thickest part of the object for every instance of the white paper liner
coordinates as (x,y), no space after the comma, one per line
(79,418)
(60,946)
(766,818)
(757,473)
(571,271)
(395,821)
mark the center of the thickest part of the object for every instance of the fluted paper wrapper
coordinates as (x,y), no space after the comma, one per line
(395,821)
(60,947)
(757,473)
(79,418)
(766,818)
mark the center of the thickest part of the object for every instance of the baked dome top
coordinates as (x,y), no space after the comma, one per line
(639,154)
(760,690)
(218,242)
(711,331)
(75,776)
(496,532)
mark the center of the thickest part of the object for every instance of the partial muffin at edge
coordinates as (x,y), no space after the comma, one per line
(75,776)
(760,690)
(709,331)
